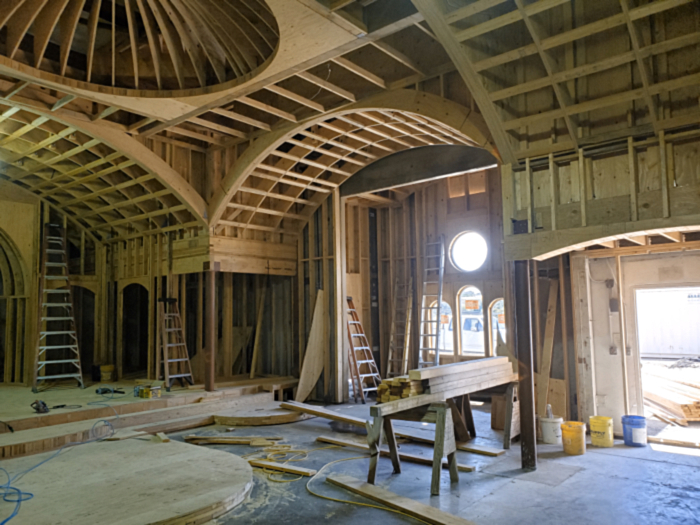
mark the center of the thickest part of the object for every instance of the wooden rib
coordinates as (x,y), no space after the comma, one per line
(673,236)
(133,39)
(643,71)
(218,127)
(328,152)
(296,98)
(143,216)
(93,19)
(267,108)
(109,189)
(16,88)
(63,101)
(121,204)
(80,169)
(183,30)
(559,93)
(343,93)
(260,227)
(267,211)
(67,26)
(43,27)
(241,50)
(210,45)
(471,10)
(197,136)
(19,24)
(507,19)
(397,55)
(360,71)
(171,41)
(241,118)
(289,182)
(233,56)
(89,178)
(152,37)
(579,33)
(272,195)
(252,25)
(7,9)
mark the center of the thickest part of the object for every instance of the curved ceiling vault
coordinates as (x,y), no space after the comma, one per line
(158,47)
(282,178)
(101,178)
(280,181)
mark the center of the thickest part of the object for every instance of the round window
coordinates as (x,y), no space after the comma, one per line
(468,251)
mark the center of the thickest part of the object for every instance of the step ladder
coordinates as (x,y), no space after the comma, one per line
(173,354)
(400,329)
(433,276)
(57,355)
(363,370)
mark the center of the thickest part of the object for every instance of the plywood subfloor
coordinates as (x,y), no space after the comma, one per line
(130,482)
(268,414)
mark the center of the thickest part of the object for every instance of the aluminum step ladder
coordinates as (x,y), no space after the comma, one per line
(363,370)
(173,355)
(397,359)
(430,315)
(57,354)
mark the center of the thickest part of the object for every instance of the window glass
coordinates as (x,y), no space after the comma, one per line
(498,323)
(471,321)
(446,341)
(468,251)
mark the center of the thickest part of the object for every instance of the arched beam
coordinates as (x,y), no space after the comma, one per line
(437,109)
(148,160)
(16,264)
(417,165)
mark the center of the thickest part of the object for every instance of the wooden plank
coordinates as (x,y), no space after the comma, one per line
(315,349)
(672,442)
(547,346)
(454,368)
(290,469)
(408,506)
(322,412)
(258,331)
(461,445)
(411,458)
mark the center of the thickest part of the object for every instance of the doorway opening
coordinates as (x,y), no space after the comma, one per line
(668,335)
(135,334)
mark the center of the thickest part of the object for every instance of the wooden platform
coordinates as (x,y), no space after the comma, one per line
(130,482)
(15,408)
(269,414)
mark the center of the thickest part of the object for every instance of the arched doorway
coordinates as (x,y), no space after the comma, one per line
(84,306)
(13,304)
(135,330)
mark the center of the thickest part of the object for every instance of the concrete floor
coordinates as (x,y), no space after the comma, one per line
(619,485)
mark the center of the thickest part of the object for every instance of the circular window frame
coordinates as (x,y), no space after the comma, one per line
(451,250)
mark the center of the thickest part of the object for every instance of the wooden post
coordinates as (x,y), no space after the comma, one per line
(210,351)
(523,350)
(623,335)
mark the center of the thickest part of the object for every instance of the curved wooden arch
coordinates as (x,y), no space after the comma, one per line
(98,176)
(11,266)
(285,175)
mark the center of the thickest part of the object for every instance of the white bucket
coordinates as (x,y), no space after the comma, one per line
(551,430)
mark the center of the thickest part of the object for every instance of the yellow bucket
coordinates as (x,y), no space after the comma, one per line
(573,436)
(601,431)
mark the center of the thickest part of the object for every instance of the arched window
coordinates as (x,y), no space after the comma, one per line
(446,341)
(497,315)
(471,321)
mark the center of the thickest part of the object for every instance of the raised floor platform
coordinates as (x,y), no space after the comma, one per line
(161,483)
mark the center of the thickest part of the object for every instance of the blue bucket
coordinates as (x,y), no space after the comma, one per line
(634,431)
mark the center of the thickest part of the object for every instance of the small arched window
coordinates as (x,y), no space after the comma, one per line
(497,316)
(471,321)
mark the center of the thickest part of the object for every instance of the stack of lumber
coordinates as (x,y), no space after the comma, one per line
(463,378)
(672,400)
(395,388)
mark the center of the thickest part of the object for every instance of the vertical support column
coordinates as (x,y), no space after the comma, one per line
(623,335)
(523,350)
(210,327)
(340,386)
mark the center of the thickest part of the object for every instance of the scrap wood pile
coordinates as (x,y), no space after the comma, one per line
(672,400)
(452,380)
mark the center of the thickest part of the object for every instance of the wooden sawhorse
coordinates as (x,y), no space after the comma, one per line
(453,423)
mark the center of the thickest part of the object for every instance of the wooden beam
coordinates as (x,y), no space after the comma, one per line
(328,86)
(296,98)
(547,347)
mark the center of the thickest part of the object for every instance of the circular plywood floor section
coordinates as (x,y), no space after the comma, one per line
(130,482)
(269,414)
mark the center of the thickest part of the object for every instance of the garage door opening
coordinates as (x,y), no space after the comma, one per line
(668,334)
